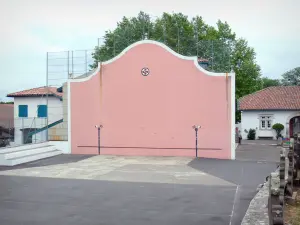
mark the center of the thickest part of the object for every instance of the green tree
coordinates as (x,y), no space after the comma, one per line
(267,82)
(192,37)
(246,70)
(251,134)
(278,127)
(176,31)
(127,32)
(291,77)
(187,37)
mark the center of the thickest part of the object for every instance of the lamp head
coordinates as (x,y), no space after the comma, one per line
(196,127)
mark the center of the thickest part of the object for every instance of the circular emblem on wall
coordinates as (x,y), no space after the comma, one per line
(145,71)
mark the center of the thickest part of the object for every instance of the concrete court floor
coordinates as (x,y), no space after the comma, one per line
(113,190)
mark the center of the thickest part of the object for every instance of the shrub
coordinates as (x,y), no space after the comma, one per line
(278,127)
(251,134)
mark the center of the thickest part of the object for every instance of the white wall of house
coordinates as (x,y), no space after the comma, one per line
(55,113)
(253,119)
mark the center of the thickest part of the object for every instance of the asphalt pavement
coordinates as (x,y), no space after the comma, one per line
(112,190)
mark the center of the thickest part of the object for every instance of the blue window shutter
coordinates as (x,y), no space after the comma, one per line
(23,110)
(42,110)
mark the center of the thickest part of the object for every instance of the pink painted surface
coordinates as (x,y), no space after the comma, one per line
(154,114)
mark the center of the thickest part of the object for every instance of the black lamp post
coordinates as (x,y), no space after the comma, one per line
(99,128)
(196,128)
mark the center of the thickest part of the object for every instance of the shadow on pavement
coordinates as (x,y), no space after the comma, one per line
(55,160)
(246,173)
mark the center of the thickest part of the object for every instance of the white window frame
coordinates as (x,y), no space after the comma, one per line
(268,119)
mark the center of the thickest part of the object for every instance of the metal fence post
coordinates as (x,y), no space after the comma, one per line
(23,141)
(9,131)
(68,64)
(212,60)
(72,66)
(47,94)
(197,39)
(114,45)
(86,62)
(34,129)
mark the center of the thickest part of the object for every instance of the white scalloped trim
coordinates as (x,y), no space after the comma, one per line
(191,58)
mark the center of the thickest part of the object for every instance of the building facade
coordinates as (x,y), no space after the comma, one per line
(147,100)
(34,112)
(261,110)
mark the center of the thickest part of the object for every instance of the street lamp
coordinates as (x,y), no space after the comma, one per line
(99,128)
(196,128)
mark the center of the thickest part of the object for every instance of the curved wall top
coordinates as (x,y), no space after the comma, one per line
(190,58)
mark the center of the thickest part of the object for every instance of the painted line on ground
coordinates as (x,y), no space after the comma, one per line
(233,206)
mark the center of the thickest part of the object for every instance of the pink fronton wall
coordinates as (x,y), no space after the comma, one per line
(154,114)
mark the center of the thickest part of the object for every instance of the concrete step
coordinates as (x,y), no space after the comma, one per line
(22,147)
(27,152)
(33,157)
(21,154)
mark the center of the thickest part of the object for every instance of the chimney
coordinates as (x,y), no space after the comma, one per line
(204,63)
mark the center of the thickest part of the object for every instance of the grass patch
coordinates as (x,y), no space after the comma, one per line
(292,212)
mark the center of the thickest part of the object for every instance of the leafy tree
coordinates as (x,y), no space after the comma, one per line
(187,37)
(267,82)
(127,32)
(192,37)
(278,127)
(247,72)
(291,77)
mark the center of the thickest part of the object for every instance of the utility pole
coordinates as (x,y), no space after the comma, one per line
(197,39)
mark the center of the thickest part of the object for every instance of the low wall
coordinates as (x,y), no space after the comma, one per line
(258,212)
(267,207)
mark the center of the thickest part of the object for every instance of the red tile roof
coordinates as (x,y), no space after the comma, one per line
(202,60)
(280,97)
(37,92)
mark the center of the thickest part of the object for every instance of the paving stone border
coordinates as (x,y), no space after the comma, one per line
(258,213)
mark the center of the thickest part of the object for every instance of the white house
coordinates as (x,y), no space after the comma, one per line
(34,113)
(271,105)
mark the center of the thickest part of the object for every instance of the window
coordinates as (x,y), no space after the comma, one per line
(42,110)
(266,122)
(23,110)
(269,124)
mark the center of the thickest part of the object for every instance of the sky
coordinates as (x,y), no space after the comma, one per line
(31,28)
